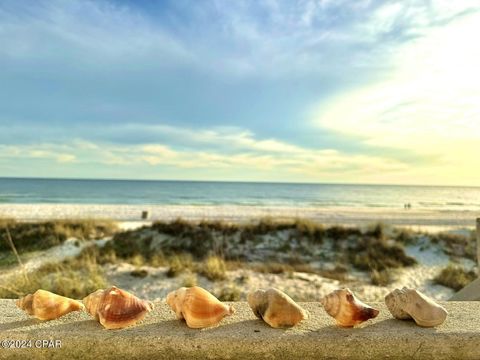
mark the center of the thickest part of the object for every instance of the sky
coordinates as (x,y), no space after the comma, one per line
(289,91)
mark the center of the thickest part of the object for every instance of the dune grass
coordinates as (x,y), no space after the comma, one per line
(43,235)
(455,277)
(214,268)
(381,278)
(372,253)
(229,292)
(74,278)
(457,245)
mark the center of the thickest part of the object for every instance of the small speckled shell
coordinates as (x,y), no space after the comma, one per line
(276,308)
(115,308)
(198,307)
(346,309)
(45,305)
(412,304)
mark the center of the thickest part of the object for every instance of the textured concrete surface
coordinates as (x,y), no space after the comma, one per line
(242,336)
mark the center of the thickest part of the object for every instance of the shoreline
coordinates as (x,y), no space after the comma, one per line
(426,220)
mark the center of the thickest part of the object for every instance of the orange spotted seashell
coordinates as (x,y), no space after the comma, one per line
(198,307)
(45,305)
(115,308)
(346,309)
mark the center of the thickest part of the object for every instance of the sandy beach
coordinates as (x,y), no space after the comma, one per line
(427,220)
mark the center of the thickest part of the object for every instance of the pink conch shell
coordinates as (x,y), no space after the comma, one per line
(115,308)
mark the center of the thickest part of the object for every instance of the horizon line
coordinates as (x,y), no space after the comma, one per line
(229,181)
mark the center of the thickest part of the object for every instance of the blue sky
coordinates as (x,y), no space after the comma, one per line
(310,91)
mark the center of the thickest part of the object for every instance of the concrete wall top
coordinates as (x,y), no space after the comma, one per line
(243,336)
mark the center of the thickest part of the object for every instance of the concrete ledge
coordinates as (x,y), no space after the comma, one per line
(242,336)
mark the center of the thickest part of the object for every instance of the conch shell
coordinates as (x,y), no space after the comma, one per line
(45,305)
(276,308)
(408,303)
(115,308)
(347,310)
(198,307)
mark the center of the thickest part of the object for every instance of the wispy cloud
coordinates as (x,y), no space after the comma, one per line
(373,91)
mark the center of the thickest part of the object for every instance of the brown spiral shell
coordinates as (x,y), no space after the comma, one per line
(346,309)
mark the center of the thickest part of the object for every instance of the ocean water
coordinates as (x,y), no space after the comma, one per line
(132,192)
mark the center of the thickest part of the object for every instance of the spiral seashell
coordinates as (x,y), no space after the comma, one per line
(276,308)
(45,305)
(115,308)
(412,304)
(346,309)
(198,307)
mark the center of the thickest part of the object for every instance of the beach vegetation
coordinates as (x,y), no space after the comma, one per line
(405,237)
(74,278)
(455,277)
(189,279)
(179,263)
(229,292)
(456,245)
(381,278)
(43,235)
(213,268)
(370,253)
(376,231)
(339,272)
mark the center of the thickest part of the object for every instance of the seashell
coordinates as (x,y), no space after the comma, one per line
(198,307)
(412,304)
(276,308)
(115,308)
(347,310)
(45,305)
(395,302)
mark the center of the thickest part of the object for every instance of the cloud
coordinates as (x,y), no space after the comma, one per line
(429,104)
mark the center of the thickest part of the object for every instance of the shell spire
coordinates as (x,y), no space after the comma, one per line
(115,308)
(276,308)
(45,305)
(198,307)
(346,309)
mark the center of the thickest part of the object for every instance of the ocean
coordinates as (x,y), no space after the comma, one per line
(135,192)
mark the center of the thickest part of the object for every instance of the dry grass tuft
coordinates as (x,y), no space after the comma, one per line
(455,277)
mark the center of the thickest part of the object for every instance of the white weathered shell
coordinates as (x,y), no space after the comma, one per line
(412,304)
